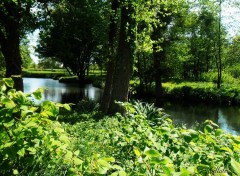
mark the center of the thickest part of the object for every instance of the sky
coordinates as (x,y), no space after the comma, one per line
(230,20)
(33,37)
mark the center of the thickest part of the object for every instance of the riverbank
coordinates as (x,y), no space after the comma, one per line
(95,77)
(195,92)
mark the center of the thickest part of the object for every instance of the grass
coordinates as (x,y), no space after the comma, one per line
(203,91)
(48,73)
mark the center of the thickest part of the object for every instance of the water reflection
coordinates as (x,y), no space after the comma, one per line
(228,118)
(60,92)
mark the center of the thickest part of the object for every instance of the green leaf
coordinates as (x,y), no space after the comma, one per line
(235,166)
(119,173)
(9,124)
(21,152)
(77,161)
(15,172)
(38,93)
(208,129)
(67,107)
(166,171)
(137,152)
(50,109)
(218,132)
(109,159)
(32,150)
(9,82)
(155,160)
(152,153)
(68,155)
(8,103)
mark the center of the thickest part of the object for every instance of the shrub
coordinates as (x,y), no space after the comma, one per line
(31,143)
(143,144)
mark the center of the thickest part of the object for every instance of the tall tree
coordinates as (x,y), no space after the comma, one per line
(120,56)
(112,38)
(76,27)
(124,62)
(16,18)
(219,57)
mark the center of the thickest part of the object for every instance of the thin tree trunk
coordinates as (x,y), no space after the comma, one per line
(157,56)
(219,62)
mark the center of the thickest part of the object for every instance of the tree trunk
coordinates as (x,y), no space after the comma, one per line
(219,57)
(11,52)
(124,64)
(111,63)
(157,56)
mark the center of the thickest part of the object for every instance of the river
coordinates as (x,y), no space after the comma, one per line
(227,117)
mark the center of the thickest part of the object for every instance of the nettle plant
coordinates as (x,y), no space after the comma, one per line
(29,141)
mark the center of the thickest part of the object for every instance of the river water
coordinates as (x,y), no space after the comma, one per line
(227,117)
(61,92)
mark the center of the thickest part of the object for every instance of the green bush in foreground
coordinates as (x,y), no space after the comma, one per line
(31,143)
(144,142)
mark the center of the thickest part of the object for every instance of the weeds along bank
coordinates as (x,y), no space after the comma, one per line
(203,91)
(51,139)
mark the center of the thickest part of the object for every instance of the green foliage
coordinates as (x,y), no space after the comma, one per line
(79,29)
(31,143)
(154,146)
(25,55)
(144,142)
(203,91)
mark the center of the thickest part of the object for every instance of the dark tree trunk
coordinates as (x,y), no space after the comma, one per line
(157,57)
(124,64)
(10,48)
(111,63)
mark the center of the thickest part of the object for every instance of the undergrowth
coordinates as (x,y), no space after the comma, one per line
(144,142)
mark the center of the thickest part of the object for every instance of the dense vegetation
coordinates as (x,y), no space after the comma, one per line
(175,49)
(45,139)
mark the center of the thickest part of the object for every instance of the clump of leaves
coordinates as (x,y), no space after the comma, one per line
(29,141)
(143,147)
(32,143)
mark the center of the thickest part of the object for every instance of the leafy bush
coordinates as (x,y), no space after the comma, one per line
(144,142)
(154,146)
(31,143)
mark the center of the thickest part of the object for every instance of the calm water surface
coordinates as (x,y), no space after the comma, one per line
(61,92)
(227,117)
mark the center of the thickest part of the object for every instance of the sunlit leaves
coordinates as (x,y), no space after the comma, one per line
(27,135)
(38,93)
(236,166)
(9,82)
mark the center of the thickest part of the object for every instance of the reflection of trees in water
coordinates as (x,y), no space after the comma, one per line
(72,97)
(76,96)
(189,114)
(232,116)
